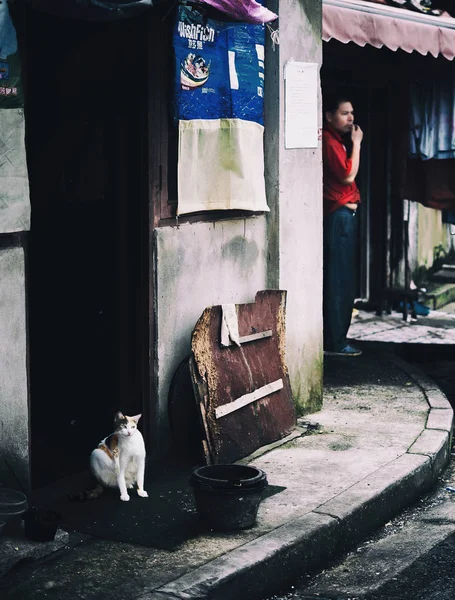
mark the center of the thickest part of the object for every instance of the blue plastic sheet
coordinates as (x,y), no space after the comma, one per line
(11,95)
(219,68)
(8,40)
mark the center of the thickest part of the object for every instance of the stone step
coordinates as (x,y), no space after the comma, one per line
(438,294)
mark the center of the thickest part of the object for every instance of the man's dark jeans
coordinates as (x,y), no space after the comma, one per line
(340,241)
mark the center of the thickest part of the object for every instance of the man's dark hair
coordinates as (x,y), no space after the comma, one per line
(332,100)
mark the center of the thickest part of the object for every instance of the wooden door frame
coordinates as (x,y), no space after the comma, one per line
(156,174)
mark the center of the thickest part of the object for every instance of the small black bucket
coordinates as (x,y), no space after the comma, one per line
(41,525)
(228,496)
(13,504)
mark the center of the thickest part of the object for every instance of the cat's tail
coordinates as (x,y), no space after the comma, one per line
(88,494)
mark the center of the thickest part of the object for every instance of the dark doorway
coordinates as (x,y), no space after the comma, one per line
(88,282)
(360,74)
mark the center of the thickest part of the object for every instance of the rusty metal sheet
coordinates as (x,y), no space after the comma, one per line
(243,392)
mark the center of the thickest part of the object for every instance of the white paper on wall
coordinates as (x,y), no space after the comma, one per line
(301,105)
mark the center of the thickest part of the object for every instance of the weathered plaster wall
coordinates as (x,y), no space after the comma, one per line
(295,196)
(200,265)
(432,232)
(14,437)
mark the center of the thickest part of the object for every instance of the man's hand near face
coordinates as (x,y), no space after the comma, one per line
(356,137)
(356,134)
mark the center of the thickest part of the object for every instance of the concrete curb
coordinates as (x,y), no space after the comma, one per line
(440,416)
(276,559)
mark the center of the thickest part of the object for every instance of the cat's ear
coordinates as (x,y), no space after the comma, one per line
(118,416)
(136,417)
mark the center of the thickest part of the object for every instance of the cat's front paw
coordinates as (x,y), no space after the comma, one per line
(124,497)
(142,493)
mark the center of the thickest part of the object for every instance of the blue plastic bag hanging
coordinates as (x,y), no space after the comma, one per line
(219,68)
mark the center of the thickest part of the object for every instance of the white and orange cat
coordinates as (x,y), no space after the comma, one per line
(119,460)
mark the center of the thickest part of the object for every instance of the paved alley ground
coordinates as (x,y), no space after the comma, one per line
(436,328)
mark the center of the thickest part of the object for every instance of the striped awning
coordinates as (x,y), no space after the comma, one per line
(381,25)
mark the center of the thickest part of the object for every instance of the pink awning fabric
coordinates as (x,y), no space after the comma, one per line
(378,25)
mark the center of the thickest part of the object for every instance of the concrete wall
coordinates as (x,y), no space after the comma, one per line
(295,189)
(200,265)
(14,424)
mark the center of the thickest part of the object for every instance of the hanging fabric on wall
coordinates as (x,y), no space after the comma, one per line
(10,65)
(218,106)
(432,127)
(248,11)
(220,166)
(8,39)
(14,186)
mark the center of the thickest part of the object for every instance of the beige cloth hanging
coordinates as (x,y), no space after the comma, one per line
(221,166)
(14,186)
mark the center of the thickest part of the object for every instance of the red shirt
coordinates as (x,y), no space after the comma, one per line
(336,167)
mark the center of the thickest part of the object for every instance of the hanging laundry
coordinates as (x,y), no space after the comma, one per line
(448,216)
(432,127)
(430,182)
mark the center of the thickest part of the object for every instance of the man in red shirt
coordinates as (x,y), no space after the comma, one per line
(341,199)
